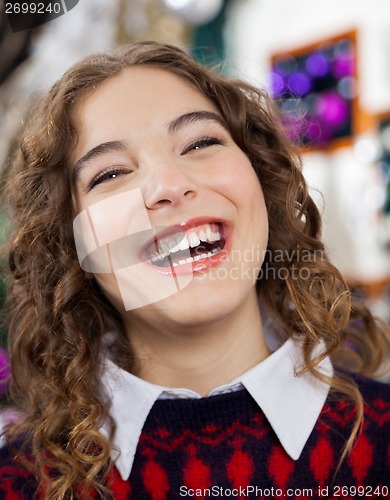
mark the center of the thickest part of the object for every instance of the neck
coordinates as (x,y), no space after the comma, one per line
(203,357)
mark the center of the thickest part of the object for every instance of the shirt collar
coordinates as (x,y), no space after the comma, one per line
(291,403)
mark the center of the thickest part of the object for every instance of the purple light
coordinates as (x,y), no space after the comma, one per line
(315,132)
(342,67)
(317,65)
(4,371)
(332,109)
(276,84)
(299,83)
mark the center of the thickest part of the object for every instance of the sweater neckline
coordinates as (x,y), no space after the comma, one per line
(291,403)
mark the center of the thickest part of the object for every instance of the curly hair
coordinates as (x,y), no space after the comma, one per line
(57,318)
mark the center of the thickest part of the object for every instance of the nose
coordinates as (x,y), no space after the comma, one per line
(168,185)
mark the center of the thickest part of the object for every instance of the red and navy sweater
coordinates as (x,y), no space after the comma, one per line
(223,446)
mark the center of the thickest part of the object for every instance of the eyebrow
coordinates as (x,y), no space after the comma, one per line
(115,146)
(194,117)
(99,150)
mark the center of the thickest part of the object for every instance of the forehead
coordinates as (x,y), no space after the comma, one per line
(139,99)
(139,90)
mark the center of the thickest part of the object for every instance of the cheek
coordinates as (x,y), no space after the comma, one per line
(246,193)
(237,180)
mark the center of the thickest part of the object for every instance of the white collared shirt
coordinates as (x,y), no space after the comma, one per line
(291,403)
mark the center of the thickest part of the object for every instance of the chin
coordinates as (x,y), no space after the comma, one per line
(199,306)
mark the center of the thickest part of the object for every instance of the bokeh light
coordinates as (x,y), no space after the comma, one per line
(347,87)
(276,83)
(316,91)
(317,65)
(332,109)
(287,65)
(4,371)
(367,149)
(299,83)
(385,137)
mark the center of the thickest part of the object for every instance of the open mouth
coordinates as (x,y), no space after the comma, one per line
(186,246)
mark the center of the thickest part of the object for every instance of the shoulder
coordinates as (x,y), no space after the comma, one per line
(376,398)
(373,390)
(340,411)
(15,479)
(367,460)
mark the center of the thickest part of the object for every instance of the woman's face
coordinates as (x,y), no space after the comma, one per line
(173,203)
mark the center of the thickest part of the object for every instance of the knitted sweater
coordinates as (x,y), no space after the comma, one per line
(223,446)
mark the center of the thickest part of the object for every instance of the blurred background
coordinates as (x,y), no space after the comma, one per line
(326,63)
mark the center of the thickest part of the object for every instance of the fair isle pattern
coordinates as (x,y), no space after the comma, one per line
(226,441)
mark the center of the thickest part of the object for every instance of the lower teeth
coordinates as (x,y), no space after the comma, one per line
(197,257)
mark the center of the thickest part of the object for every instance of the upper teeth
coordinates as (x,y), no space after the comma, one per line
(190,238)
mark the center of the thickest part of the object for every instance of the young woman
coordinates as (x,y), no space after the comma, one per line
(163,246)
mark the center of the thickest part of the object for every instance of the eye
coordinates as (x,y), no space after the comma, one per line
(201,143)
(107,175)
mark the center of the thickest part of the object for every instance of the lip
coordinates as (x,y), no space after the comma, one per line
(199,266)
